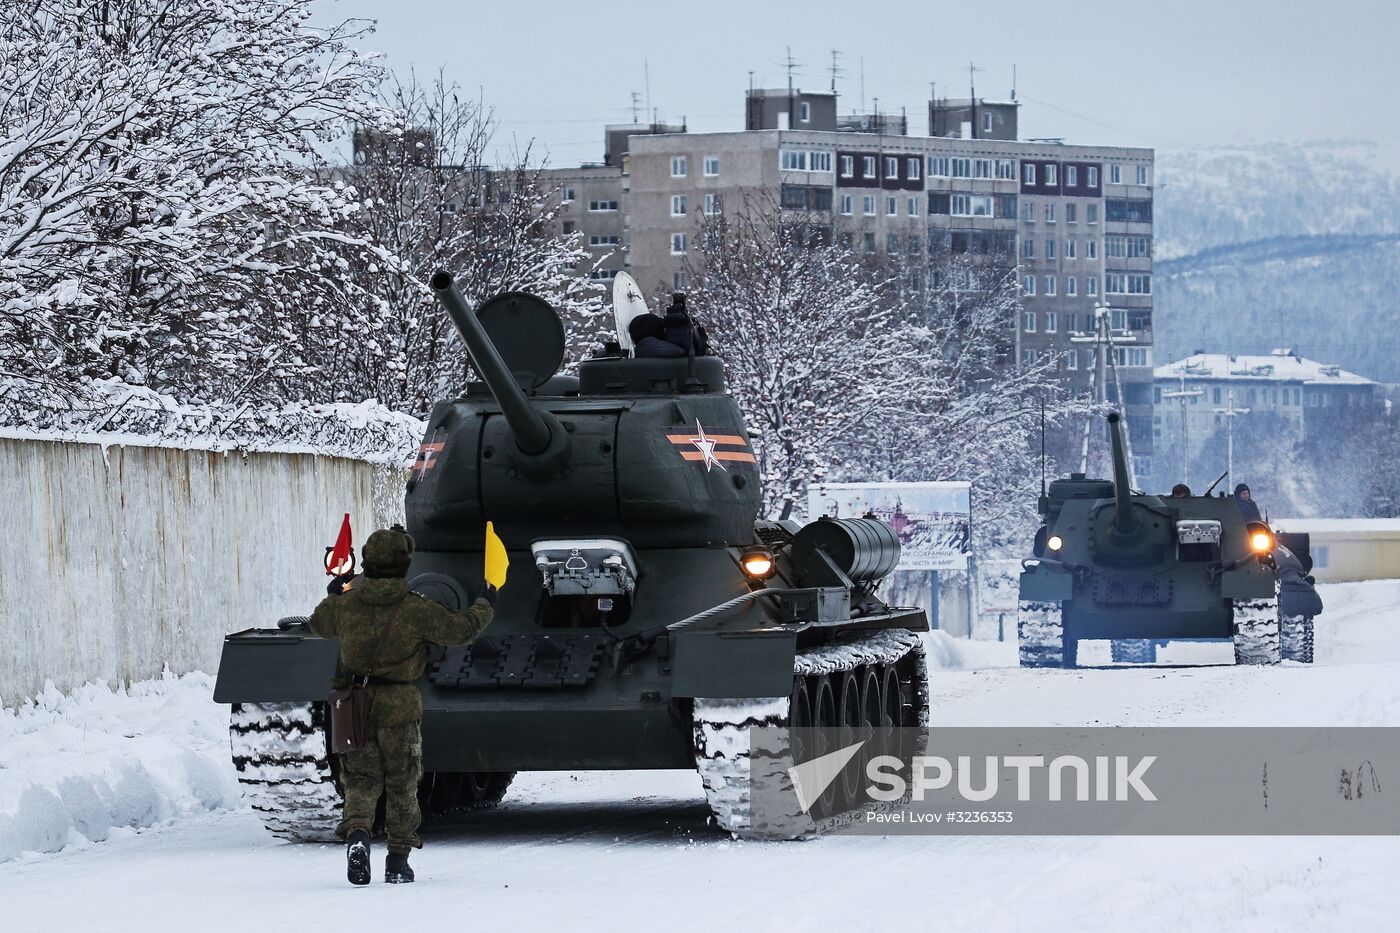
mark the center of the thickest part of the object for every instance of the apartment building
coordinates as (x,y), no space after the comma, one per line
(1074,221)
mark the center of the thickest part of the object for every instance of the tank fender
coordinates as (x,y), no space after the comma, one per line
(733,664)
(1247,584)
(1043,584)
(267,666)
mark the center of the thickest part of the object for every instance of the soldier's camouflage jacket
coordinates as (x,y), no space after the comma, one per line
(373,646)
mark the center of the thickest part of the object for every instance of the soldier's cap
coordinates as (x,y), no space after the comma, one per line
(387,552)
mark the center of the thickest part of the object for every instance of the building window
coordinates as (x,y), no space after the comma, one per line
(938,165)
(912,206)
(805,112)
(1028,287)
(603,275)
(1142,174)
(1071,213)
(938,203)
(1006,169)
(568,195)
(868,205)
(982,168)
(1028,170)
(820,161)
(1071,286)
(891,167)
(1139,283)
(1091,285)
(793,197)
(1028,249)
(603,240)
(678,169)
(962,168)
(1051,173)
(1028,357)
(1091,249)
(790,160)
(1072,176)
(569,227)
(891,205)
(986,122)
(711,166)
(1028,318)
(1006,206)
(892,243)
(846,204)
(1093,176)
(1028,212)
(848,166)
(1113,283)
(869,243)
(712,204)
(1069,249)
(678,244)
(1050,212)
(1115,174)
(911,166)
(867,167)
(1049,249)
(679,203)
(1091,213)
(1050,287)
(680,281)
(961,205)
(1051,318)
(981,205)
(602,206)
(1072,359)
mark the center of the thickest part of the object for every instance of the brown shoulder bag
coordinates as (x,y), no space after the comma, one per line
(350,705)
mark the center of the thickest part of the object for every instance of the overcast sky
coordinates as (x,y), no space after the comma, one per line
(1167,74)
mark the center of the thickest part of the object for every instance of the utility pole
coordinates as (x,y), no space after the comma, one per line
(1230,411)
(1183,395)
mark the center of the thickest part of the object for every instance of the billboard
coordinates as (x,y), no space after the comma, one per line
(933,520)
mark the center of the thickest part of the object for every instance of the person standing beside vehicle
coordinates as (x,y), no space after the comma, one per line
(384,632)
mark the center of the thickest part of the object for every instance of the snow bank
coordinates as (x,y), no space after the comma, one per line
(948,653)
(82,767)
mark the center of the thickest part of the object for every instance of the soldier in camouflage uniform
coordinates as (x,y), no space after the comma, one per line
(384,632)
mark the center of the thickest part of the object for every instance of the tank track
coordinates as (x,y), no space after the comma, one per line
(1133,651)
(1296,638)
(281,752)
(1256,631)
(727,763)
(283,760)
(1040,635)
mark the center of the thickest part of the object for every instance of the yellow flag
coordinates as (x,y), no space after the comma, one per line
(496,560)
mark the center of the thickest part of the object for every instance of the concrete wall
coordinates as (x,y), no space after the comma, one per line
(117,561)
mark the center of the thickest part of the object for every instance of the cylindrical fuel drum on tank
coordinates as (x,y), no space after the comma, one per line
(863,548)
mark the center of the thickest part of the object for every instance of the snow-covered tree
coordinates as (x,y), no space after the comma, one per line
(430,201)
(157,219)
(862,369)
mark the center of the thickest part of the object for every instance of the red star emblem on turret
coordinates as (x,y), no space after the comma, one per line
(706,446)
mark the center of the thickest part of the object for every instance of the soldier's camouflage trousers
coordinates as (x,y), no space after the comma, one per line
(390,763)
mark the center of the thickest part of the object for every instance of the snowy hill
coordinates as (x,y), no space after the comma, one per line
(1292,244)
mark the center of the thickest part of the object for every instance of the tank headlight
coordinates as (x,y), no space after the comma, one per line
(1261,539)
(1055,542)
(758,563)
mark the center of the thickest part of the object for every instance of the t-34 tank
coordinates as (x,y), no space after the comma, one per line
(1140,570)
(648,617)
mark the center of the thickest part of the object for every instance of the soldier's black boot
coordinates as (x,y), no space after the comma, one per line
(357,857)
(396,870)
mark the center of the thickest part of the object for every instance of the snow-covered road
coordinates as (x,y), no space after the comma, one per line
(626,851)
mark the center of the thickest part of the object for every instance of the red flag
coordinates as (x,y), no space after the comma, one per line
(341,553)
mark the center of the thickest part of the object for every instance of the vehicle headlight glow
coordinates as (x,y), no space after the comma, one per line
(758,563)
(1055,542)
(1262,542)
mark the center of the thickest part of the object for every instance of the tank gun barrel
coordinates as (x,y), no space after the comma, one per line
(1124,521)
(531,430)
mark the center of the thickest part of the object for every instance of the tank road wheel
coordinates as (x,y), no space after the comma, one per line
(1133,651)
(1040,635)
(826,717)
(282,755)
(1256,631)
(1296,638)
(851,717)
(831,690)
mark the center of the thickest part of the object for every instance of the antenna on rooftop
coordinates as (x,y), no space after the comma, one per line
(1013,81)
(972,80)
(862,84)
(636,104)
(646,77)
(836,69)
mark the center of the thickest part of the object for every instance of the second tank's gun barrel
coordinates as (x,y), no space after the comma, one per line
(1124,521)
(531,430)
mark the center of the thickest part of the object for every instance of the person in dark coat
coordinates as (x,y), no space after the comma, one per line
(1181,491)
(648,334)
(1248,507)
(683,331)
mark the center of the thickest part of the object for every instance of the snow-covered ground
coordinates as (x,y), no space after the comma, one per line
(625,851)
